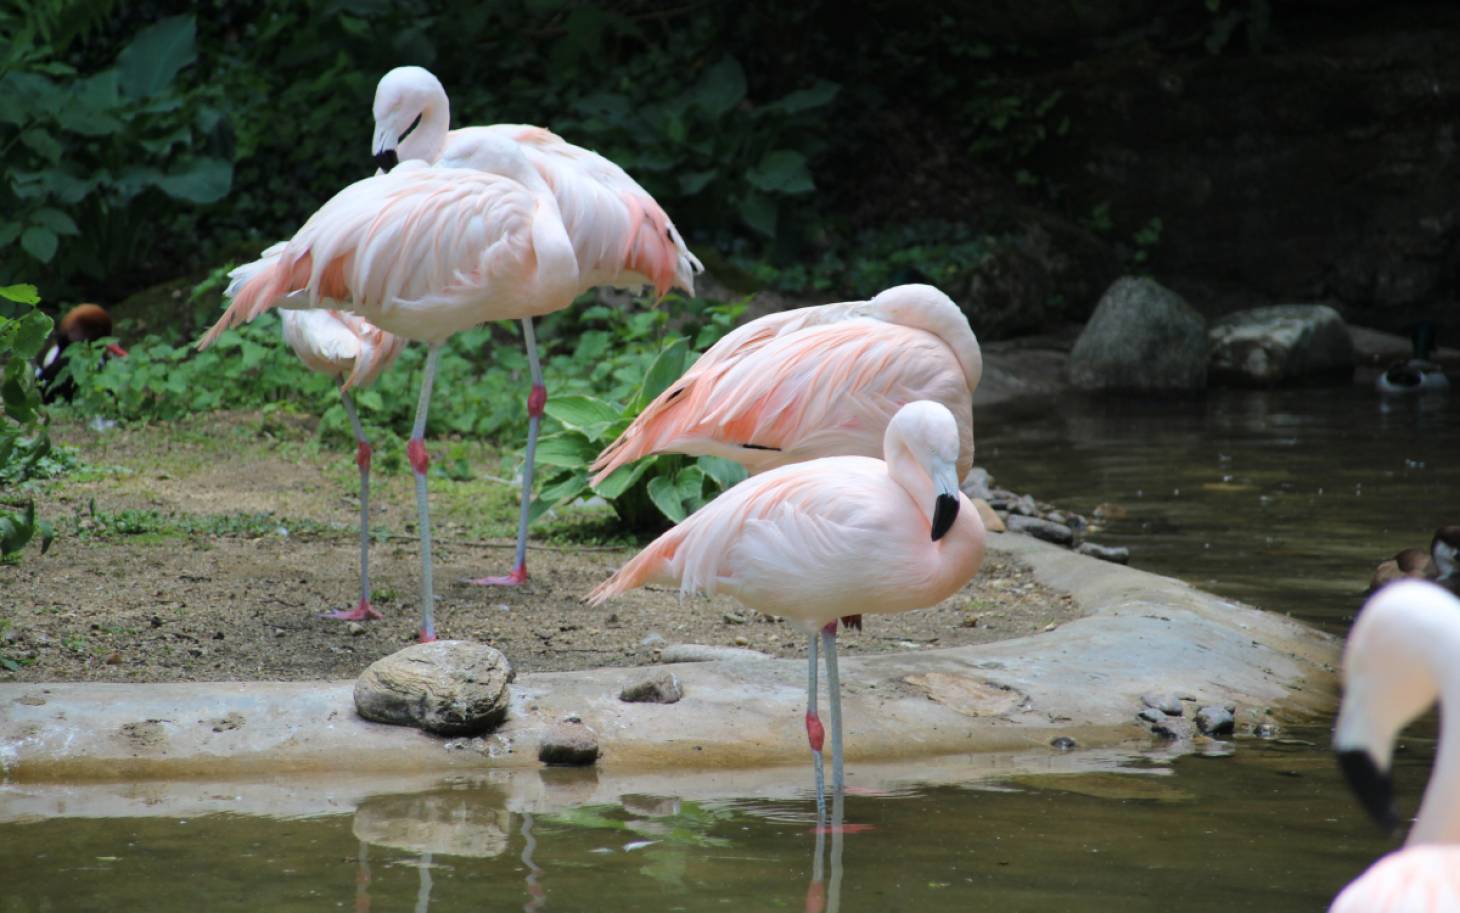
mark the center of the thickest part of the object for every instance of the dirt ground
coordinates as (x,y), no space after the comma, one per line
(206,551)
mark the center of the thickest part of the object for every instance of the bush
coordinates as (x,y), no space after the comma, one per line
(24,445)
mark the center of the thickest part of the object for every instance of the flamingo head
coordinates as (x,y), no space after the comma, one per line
(412,116)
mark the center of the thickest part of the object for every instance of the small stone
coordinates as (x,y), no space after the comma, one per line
(1041,529)
(1172,728)
(742,641)
(449,687)
(1215,720)
(1118,554)
(1064,743)
(658,687)
(569,745)
(1267,729)
(1167,702)
(1025,506)
(705,653)
(978,484)
(731,618)
(652,639)
(572,718)
(1152,715)
(355,629)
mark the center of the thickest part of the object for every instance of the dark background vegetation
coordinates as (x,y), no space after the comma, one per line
(1019,154)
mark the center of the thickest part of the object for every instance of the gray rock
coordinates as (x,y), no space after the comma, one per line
(1173,728)
(1215,720)
(1152,715)
(707,653)
(1041,529)
(1286,343)
(658,687)
(568,745)
(976,485)
(1267,729)
(1142,338)
(1063,743)
(1167,703)
(1119,554)
(449,687)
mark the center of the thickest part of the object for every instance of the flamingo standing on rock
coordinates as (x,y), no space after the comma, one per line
(822,539)
(620,235)
(1399,657)
(814,382)
(349,348)
(424,252)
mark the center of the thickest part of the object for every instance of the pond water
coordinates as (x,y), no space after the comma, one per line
(1284,500)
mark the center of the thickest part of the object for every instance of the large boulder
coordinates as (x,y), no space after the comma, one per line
(1285,343)
(1142,338)
(449,687)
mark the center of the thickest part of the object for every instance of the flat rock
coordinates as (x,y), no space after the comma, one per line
(707,653)
(1039,528)
(1142,337)
(1116,553)
(1165,702)
(569,745)
(449,687)
(1215,720)
(992,522)
(658,687)
(1282,344)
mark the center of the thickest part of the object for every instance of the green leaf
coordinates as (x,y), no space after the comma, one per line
(199,180)
(583,413)
(31,332)
(22,293)
(39,242)
(759,212)
(42,143)
(689,485)
(691,183)
(805,99)
(54,219)
(665,496)
(726,473)
(720,88)
(9,231)
(570,451)
(664,371)
(782,171)
(370,400)
(624,477)
(149,63)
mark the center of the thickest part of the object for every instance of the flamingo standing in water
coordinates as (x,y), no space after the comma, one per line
(620,235)
(822,539)
(814,382)
(349,348)
(1400,656)
(424,252)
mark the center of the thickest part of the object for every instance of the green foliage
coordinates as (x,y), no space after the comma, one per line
(93,157)
(24,444)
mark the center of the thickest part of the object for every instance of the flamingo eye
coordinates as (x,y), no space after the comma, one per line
(414,124)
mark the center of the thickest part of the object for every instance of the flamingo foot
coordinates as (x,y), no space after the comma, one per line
(362,612)
(516,578)
(424,638)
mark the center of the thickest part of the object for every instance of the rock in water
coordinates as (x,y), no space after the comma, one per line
(1215,720)
(1142,338)
(1040,529)
(1286,343)
(1117,554)
(568,745)
(658,687)
(449,687)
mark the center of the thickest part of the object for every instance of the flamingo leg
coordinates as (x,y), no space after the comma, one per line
(815,734)
(364,611)
(536,401)
(834,698)
(420,461)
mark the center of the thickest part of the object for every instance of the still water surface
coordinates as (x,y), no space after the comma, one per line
(1283,500)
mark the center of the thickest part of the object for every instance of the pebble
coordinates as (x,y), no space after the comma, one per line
(658,687)
(1064,743)
(568,745)
(706,653)
(1152,715)
(1116,553)
(1172,728)
(449,687)
(1267,729)
(1215,720)
(355,629)
(730,618)
(1040,529)
(1167,702)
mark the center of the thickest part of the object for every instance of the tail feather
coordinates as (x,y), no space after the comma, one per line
(650,251)
(260,290)
(379,350)
(641,569)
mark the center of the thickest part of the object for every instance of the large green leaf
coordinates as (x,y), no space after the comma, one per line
(781,171)
(570,451)
(805,99)
(583,413)
(199,180)
(665,495)
(666,369)
(727,473)
(149,63)
(54,219)
(22,293)
(759,212)
(624,477)
(721,87)
(31,332)
(39,242)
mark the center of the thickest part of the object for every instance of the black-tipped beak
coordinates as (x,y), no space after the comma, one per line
(945,511)
(386,160)
(1374,788)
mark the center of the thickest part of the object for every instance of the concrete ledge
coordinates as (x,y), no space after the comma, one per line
(1141,632)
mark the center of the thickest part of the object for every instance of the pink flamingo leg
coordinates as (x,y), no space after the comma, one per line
(363,611)
(814,731)
(420,461)
(536,402)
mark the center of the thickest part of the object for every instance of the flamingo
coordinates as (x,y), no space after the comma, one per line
(1400,656)
(617,229)
(83,323)
(349,348)
(424,252)
(814,382)
(825,538)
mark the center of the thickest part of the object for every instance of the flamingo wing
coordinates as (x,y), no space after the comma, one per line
(1414,879)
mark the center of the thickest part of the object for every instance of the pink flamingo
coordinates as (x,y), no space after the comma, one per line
(347,347)
(822,539)
(1400,656)
(814,382)
(424,252)
(617,229)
